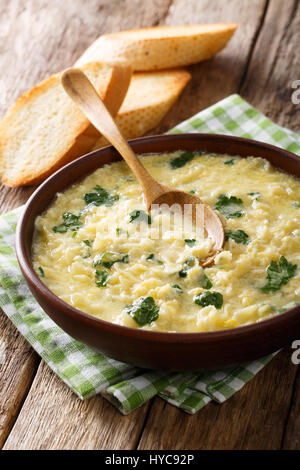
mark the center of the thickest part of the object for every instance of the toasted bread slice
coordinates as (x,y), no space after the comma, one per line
(149,98)
(44,129)
(161,47)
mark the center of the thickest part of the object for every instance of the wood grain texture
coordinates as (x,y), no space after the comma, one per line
(37,39)
(53,417)
(260,62)
(252,419)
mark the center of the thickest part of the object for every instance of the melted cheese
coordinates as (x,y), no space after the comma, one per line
(271,220)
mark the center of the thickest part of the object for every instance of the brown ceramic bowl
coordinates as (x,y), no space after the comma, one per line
(149,349)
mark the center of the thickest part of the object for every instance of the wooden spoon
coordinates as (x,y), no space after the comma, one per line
(81,90)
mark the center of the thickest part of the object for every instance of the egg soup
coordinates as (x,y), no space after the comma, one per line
(98,249)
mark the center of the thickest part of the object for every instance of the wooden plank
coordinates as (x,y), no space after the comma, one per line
(251,419)
(53,417)
(38,38)
(18,363)
(291,438)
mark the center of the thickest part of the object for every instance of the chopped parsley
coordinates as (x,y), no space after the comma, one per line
(177,288)
(209,298)
(143,311)
(139,216)
(206,282)
(87,242)
(296,204)
(109,258)
(74,234)
(229,162)
(70,222)
(231,207)
(41,271)
(239,236)
(101,278)
(184,158)
(187,265)
(190,242)
(151,256)
(193,191)
(100,196)
(278,274)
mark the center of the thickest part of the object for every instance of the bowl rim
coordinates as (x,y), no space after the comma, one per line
(157,336)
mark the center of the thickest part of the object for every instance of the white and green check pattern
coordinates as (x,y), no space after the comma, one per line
(87,372)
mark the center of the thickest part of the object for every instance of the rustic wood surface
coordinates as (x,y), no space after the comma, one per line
(37,38)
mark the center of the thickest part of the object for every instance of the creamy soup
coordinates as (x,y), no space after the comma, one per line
(98,249)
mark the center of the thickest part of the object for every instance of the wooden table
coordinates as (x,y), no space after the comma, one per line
(38,38)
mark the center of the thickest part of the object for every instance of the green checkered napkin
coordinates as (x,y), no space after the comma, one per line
(87,372)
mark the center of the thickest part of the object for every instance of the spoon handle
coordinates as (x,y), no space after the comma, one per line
(83,93)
